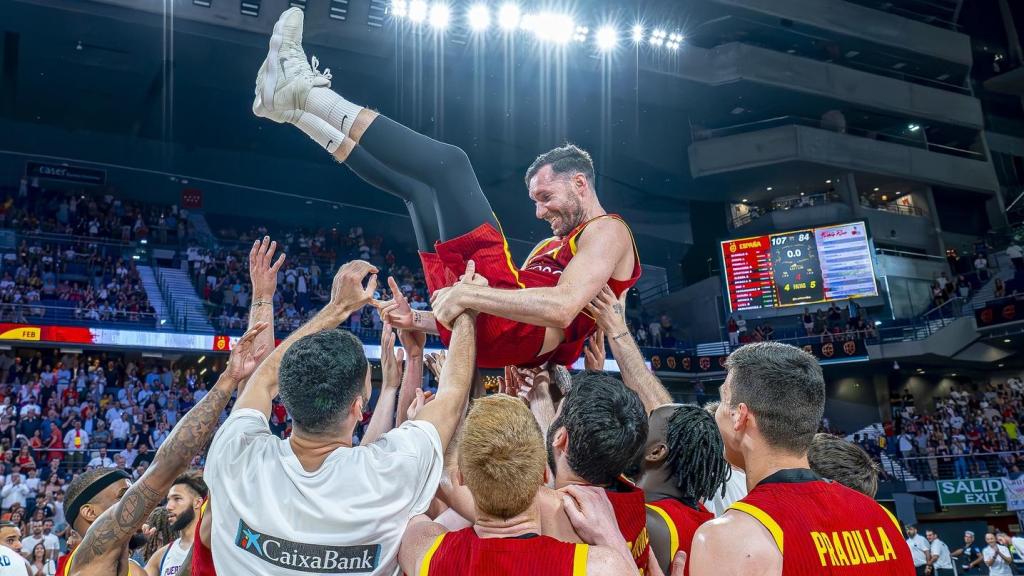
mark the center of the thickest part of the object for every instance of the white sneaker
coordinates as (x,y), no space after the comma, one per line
(285,78)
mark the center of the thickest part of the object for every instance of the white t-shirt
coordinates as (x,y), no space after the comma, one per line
(939,548)
(918,548)
(1000,566)
(735,489)
(272,517)
(12,564)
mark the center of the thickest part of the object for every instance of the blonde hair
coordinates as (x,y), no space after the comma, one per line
(502,455)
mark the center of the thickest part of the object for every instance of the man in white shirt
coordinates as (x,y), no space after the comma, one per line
(1016,254)
(15,491)
(323,503)
(938,555)
(919,549)
(997,557)
(101,460)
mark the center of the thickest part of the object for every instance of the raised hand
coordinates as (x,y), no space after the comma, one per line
(591,514)
(347,292)
(263,270)
(390,359)
(435,362)
(609,313)
(396,311)
(422,399)
(245,356)
(471,277)
(594,353)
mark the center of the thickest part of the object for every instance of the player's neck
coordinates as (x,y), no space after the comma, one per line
(188,534)
(526,523)
(762,461)
(312,449)
(657,484)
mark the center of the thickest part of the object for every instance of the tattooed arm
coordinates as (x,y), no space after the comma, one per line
(104,543)
(610,316)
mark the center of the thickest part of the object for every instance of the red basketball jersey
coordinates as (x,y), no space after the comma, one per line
(202,557)
(631,514)
(824,528)
(502,342)
(463,552)
(682,521)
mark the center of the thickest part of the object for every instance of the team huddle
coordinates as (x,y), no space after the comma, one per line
(557,474)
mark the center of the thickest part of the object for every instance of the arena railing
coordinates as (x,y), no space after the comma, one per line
(951,466)
(790,120)
(49,314)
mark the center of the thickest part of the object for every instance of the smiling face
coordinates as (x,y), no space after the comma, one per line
(558,199)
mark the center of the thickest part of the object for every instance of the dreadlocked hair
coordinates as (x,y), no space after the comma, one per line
(696,454)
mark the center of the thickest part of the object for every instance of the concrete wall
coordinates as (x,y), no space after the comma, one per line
(910,231)
(736,62)
(802,143)
(851,402)
(695,310)
(875,26)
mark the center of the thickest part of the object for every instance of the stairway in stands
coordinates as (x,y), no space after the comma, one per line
(891,467)
(188,310)
(987,292)
(156,299)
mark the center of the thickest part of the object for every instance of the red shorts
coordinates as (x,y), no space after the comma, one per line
(500,342)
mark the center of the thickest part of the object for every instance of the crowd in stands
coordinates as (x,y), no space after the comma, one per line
(945,289)
(833,324)
(32,209)
(975,431)
(69,281)
(62,414)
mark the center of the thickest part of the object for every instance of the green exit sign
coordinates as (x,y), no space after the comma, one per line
(971,492)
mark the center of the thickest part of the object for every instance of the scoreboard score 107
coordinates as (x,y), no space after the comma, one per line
(796,269)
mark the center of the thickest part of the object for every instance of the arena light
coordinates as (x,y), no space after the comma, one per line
(607,38)
(913,127)
(658,37)
(638,33)
(399,8)
(581,34)
(479,17)
(418,10)
(509,16)
(552,27)
(440,15)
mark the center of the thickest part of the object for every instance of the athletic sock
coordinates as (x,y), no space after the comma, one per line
(330,106)
(327,136)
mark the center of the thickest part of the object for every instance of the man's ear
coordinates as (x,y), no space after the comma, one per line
(659,453)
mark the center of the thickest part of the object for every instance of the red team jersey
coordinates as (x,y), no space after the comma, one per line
(502,342)
(202,557)
(824,528)
(463,552)
(631,515)
(682,522)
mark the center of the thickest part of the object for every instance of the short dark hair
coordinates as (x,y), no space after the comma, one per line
(606,424)
(785,390)
(567,159)
(320,376)
(194,480)
(844,462)
(696,453)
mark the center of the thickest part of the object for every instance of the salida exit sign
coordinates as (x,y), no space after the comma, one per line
(971,491)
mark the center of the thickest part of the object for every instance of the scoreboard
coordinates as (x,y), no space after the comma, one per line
(799,267)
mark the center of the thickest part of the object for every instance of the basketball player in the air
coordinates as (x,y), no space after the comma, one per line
(501,461)
(537,306)
(184,500)
(792,522)
(108,510)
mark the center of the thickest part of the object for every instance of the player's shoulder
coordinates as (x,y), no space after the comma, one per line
(715,544)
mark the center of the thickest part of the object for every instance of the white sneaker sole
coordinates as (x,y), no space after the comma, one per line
(273,61)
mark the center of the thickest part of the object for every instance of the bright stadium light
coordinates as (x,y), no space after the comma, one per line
(552,27)
(638,33)
(418,10)
(440,15)
(581,34)
(399,8)
(479,17)
(607,38)
(508,16)
(658,37)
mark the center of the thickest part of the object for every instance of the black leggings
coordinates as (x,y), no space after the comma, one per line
(436,180)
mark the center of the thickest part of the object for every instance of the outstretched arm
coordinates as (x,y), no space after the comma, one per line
(412,380)
(104,542)
(600,248)
(263,275)
(347,296)
(383,418)
(610,316)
